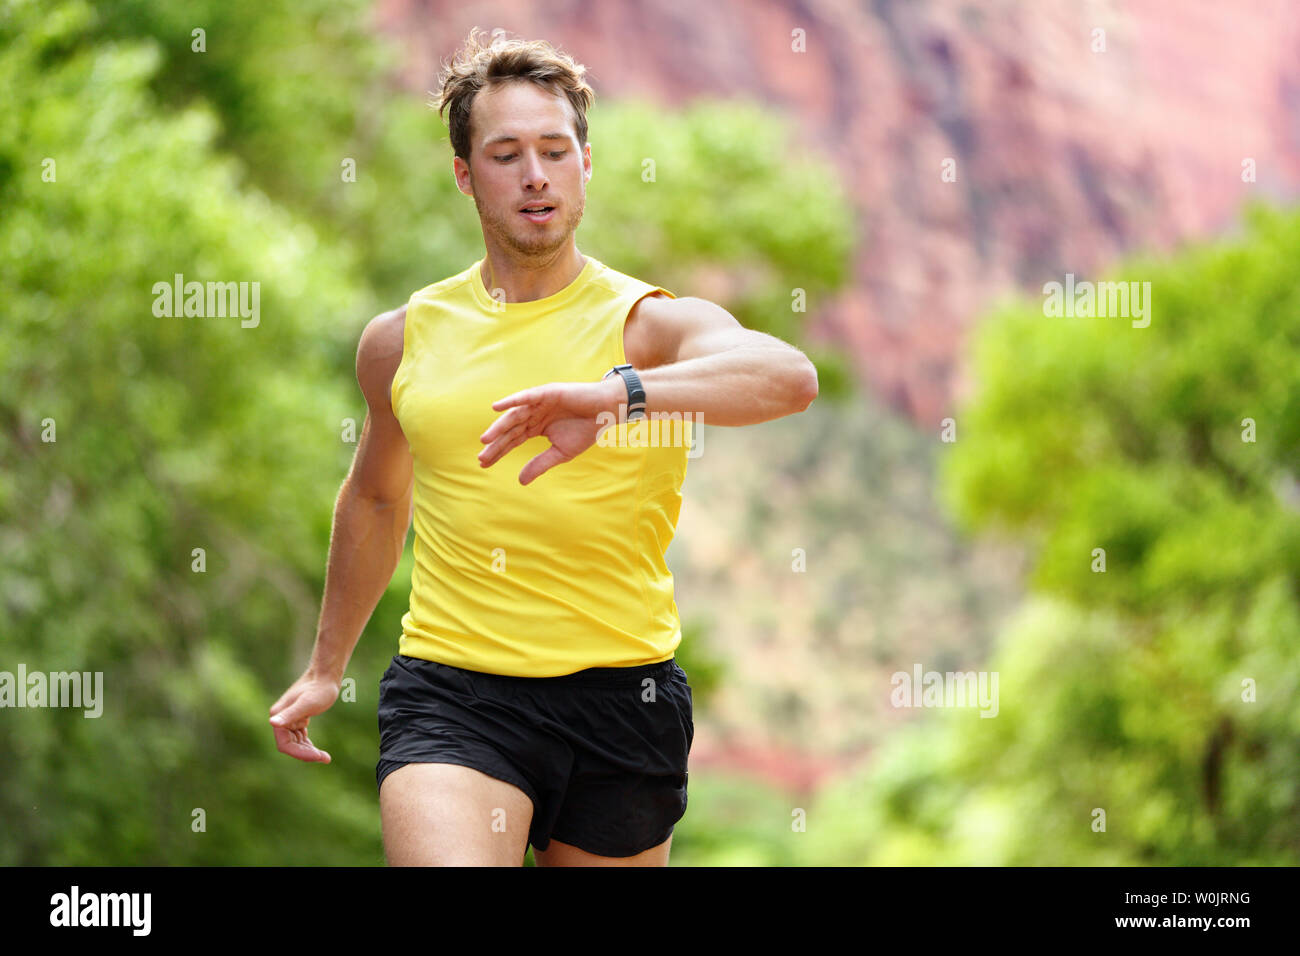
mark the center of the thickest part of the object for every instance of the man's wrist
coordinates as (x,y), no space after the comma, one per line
(322,671)
(627,394)
(616,397)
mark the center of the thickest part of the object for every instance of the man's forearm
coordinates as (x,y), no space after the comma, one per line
(741,386)
(365,545)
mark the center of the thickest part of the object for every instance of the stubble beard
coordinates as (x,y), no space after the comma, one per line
(527,242)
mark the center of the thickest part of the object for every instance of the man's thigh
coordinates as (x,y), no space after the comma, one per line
(562,854)
(440,814)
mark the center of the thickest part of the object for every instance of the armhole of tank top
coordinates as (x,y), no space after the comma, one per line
(399,377)
(622,328)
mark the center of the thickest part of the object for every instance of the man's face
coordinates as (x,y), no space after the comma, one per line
(515,163)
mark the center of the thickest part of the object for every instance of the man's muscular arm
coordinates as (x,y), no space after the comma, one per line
(371,518)
(692,356)
(697,359)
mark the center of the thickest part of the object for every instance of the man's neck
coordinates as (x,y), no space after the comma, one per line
(527,281)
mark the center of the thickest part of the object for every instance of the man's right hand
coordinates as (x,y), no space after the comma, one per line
(309,695)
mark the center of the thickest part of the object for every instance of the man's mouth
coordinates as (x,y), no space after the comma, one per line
(540,212)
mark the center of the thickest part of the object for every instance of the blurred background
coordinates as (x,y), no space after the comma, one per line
(1101,514)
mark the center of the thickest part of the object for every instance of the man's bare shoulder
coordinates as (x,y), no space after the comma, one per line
(643,341)
(379,352)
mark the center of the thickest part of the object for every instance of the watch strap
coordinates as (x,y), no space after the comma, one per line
(635,390)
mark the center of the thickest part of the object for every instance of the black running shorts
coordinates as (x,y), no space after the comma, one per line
(601,753)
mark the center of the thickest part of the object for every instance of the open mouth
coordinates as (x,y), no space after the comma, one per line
(540,213)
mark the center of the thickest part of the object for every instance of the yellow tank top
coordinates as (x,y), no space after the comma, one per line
(567,572)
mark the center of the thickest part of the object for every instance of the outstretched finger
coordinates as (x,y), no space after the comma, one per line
(525,397)
(491,454)
(504,423)
(542,463)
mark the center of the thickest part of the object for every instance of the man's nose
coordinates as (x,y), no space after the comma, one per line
(534,172)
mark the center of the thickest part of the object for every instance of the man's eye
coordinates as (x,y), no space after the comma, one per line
(504,157)
(558,153)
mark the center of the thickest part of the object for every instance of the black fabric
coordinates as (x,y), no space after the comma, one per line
(601,753)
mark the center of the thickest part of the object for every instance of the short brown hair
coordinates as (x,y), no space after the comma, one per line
(505,60)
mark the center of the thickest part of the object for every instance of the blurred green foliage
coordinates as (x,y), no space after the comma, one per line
(174,434)
(1161,691)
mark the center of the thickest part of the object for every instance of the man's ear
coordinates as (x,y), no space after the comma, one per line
(457,164)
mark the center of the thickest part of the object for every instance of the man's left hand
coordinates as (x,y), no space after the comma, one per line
(567,413)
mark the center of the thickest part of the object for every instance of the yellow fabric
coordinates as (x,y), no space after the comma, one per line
(567,572)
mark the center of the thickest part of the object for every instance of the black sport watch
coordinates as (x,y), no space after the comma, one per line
(635,391)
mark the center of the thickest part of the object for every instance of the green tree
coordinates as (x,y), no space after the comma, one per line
(170,434)
(1160,690)
(174,433)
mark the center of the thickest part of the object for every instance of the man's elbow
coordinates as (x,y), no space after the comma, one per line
(807,387)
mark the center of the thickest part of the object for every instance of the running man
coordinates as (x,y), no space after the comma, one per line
(535,698)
